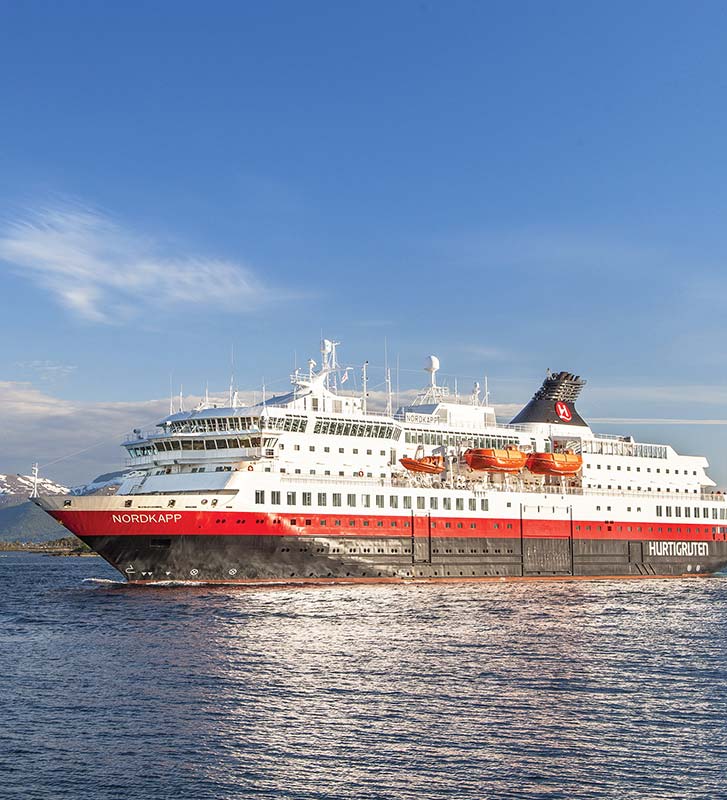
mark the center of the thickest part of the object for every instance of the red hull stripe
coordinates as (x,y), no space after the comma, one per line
(230,523)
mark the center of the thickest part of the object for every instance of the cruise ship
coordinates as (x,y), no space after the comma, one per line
(315,486)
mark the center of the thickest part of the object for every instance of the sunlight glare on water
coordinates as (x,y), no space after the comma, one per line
(501,690)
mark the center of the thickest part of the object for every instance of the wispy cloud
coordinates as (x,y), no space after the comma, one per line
(48,371)
(655,421)
(101,271)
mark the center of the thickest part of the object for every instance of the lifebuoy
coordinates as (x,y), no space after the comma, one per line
(360,473)
(249,469)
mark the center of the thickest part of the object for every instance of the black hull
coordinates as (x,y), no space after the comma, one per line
(240,559)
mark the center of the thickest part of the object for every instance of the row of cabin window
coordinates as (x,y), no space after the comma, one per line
(648,469)
(206,444)
(457,439)
(639,489)
(393,523)
(213,424)
(686,511)
(312,449)
(291,424)
(624,449)
(365,501)
(652,529)
(371,430)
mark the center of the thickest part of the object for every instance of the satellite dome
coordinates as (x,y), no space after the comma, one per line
(432,364)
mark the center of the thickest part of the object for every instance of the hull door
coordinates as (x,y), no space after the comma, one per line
(546,539)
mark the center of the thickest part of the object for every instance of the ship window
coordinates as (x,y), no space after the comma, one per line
(291,498)
(433,503)
(379,501)
(459,504)
(321,498)
(275,498)
(484,505)
(366,500)
(447,503)
(351,500)
(472,504)
(393,501)
(307,498)
(337,522)
(355,451)
(420,502)
(407,502)
(259,497)
(336,499)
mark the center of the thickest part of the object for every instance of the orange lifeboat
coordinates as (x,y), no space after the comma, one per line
(567,463)
(432,465)
(492,460)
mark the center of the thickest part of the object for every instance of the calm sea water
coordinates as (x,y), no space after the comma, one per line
(543,690)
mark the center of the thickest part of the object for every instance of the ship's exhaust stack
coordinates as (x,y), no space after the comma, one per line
(554,402)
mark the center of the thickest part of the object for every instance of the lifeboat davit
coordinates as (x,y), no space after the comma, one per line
(432,465)
(554,463)
(494,460)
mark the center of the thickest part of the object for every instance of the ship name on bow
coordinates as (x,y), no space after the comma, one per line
(145,518)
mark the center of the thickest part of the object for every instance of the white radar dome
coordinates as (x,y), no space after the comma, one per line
(432,364)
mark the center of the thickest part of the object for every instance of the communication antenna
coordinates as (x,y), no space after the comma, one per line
(181,398)
(364,384)
(232,373)
(171,395)
(34,473)
(388,392)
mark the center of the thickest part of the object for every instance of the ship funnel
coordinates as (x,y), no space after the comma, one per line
(554,402)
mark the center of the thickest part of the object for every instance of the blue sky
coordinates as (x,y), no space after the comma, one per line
(512,186)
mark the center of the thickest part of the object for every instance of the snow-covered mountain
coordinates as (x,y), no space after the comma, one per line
(21,520)
(104,484)
(16,489)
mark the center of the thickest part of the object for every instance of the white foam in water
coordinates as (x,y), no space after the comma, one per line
(101,580)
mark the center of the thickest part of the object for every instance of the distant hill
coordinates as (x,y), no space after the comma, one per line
(23,521)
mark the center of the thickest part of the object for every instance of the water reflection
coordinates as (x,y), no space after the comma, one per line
(494,690)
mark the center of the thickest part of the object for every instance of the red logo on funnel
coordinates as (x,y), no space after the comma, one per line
(562,410)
